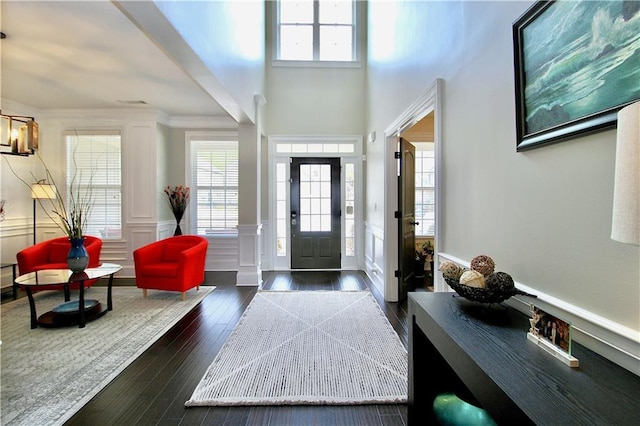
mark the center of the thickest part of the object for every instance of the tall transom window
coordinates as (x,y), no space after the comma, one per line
(316,30)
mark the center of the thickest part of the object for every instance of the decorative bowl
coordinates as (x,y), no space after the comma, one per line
(484,295)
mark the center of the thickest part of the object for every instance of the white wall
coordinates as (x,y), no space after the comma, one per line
(166,170)
(312,101)
(315,101)
(543,215)
(228,37)
(16,230)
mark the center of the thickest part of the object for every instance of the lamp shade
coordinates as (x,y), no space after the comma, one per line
(42,191)
(625,226)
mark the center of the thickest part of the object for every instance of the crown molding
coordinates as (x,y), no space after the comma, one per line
(9,106)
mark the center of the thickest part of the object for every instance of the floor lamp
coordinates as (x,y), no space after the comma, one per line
(626,197)
(40,191)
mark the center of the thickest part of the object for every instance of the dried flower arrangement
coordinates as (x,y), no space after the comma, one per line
(178,200)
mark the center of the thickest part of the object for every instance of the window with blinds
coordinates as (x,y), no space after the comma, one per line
(214,186)
(425,191)
(94,168)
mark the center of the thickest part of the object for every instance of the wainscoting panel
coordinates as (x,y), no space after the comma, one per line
(140,235)
(249,272)
(139,165)
(374,256)
(167,228)
(6,278)
(114,251)
(265,253)
(15,235)
(222,254)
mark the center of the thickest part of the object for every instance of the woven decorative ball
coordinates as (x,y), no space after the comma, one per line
(500,281)
(473,279)
(451,270)
(483,264)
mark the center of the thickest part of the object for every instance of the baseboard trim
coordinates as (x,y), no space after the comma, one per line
(249,279)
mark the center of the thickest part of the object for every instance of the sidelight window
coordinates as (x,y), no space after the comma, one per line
(350,209)
(282,208)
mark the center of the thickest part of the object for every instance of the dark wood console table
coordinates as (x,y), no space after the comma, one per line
(483,356)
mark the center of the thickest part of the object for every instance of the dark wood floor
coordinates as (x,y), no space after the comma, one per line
(153,389)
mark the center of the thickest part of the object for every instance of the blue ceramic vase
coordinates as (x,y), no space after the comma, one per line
(78,258)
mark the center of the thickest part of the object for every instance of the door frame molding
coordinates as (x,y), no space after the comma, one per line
(429,101)
(276,262)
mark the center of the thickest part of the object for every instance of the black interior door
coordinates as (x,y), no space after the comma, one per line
(407,220)
(315,213)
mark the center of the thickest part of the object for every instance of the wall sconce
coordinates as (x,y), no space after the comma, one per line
(41,191)
(20,133)
(625,226)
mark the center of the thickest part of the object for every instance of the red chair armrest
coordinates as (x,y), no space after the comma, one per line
(192,262)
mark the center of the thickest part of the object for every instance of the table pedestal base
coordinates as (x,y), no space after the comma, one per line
(53,319)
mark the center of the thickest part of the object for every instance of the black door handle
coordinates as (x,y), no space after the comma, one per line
(414,223)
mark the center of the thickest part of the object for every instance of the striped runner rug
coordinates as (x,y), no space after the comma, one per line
(308,348)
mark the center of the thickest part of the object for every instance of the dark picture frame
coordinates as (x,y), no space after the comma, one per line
(576,64)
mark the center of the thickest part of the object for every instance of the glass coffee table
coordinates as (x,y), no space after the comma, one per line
(68,313)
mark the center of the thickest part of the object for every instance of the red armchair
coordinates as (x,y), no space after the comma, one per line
(174,264)
(52,254)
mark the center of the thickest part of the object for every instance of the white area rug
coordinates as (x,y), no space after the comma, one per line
(49,374)
(308,348)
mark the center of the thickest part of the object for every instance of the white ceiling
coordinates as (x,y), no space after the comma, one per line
(88,54)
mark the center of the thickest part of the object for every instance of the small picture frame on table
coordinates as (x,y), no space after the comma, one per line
(552,334)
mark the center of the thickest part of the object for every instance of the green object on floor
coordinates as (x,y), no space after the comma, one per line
(452,411)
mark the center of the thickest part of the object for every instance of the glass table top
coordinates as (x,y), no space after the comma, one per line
(62,276)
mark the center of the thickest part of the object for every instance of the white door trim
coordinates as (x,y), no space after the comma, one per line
(355,157)
(430,100)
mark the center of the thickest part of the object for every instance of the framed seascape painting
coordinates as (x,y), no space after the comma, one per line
(577,62)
